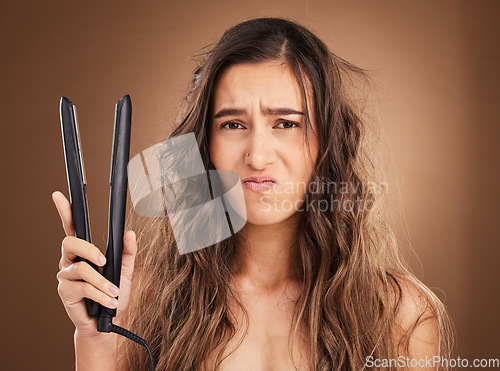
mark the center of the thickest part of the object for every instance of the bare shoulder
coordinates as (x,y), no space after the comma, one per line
(417,329)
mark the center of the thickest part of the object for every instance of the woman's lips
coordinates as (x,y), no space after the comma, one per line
(259,183)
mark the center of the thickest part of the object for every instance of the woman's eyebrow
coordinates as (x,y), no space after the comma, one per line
(281,111)
(230,112)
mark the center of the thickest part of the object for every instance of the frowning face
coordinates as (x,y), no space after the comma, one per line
(259,110)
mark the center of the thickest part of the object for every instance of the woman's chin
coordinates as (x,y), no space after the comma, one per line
(260,217)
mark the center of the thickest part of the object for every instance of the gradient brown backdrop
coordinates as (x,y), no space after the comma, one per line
(439,82)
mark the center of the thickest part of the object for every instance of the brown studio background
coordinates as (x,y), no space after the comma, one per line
(439,78)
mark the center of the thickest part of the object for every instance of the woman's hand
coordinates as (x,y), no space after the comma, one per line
(78,280)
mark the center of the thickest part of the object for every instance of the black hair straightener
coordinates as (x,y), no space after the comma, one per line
(117,202)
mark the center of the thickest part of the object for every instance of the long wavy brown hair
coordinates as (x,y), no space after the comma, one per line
(351,270)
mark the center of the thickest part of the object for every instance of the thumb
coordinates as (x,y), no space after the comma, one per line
(129,253)
(64,209)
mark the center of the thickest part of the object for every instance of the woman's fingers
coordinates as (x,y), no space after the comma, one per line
(73,292)
(78,280)
(73,247)
(64,209)
(83,271)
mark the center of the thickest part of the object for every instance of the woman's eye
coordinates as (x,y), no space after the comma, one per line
(288,125)
(232,125)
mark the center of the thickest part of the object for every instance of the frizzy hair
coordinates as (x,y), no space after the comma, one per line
(353,278)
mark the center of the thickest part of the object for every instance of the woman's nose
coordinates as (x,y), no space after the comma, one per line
(261,151)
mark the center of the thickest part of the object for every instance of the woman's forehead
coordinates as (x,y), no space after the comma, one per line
(271,83)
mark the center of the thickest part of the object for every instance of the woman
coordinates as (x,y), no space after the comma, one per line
(314,280)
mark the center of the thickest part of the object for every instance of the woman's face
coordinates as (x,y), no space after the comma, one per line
(259,109)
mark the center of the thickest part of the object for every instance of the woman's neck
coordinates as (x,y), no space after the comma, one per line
(267,256)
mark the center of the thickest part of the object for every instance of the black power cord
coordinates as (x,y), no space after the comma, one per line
(123,332)
(105,325)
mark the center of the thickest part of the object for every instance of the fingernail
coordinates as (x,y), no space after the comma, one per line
(113,303)
(114,290)
(101,260)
